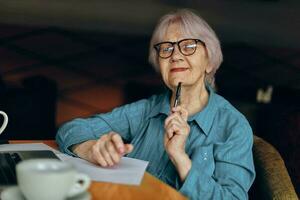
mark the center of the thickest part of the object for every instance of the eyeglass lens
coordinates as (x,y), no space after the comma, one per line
(186,47)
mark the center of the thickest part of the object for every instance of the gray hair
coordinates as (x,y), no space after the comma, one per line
(193,26)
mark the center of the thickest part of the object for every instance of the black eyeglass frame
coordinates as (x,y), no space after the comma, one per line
(157,47)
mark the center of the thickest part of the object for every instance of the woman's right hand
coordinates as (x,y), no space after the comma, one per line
(106,151)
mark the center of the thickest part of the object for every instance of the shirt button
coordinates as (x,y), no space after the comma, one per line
(205,155)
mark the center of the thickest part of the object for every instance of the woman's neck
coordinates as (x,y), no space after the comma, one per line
(193,98)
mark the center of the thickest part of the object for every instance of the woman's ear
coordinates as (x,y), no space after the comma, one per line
(208,69)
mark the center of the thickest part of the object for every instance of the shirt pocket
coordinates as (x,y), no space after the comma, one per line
(203,156)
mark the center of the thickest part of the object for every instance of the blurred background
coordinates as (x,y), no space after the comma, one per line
(65,59)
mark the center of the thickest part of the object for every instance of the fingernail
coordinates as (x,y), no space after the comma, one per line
(121,149)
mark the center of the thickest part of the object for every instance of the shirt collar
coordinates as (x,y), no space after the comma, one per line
(163,104)
(204,118)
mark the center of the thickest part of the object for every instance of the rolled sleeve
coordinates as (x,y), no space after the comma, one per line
(78,131)
(123,120)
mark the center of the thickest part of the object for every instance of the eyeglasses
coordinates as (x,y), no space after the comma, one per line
(186,46)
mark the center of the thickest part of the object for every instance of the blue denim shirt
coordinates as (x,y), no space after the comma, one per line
(219,144)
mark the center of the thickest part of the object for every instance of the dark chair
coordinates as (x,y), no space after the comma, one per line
(279,124)
(272,178)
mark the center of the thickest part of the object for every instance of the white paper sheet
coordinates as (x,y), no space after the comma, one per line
(129,171)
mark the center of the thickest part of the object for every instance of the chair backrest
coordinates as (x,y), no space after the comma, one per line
(272,178)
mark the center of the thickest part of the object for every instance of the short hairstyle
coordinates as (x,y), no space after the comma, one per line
(193,26)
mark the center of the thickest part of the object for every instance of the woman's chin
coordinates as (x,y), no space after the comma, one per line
(175,82)
(178,77)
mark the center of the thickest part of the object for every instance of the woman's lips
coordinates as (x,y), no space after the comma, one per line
(179,69)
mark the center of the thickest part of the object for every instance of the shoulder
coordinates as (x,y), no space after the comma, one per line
(143,106)
(226,111)
(230,119)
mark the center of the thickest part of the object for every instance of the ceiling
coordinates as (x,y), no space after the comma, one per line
(260,39)
(260,22)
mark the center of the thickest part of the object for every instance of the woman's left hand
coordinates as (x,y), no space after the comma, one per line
(176,132)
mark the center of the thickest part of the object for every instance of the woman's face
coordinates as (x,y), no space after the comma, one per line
(190,70)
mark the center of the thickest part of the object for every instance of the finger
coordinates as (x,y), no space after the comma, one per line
(176,109)
(106,156)
(102,139)
(184,114)
(118,142)
(128,148)
(97,157)
(110,148)
(182,111)
(170,134)
(178,120)
(173,129)
(166,139)
(175,121)
(171,117)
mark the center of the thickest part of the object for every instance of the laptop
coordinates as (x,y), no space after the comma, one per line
(9,160)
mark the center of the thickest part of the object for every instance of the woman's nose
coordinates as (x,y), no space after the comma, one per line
(176,55)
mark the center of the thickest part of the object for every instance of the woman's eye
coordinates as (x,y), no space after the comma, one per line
(190,46)
(167,49)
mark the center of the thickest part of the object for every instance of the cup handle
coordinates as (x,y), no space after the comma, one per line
(82,182)
(4,122)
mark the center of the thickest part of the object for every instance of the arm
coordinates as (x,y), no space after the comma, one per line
(124,120)
(106,151)
(234,169)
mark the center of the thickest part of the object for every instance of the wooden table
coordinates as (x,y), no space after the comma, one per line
(151,188)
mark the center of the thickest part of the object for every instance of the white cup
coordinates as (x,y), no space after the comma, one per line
(5,121)
(50,179)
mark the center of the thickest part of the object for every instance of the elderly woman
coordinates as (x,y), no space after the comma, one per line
(202,147)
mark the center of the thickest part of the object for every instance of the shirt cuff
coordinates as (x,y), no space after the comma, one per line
(197,181)
(65,143)
(66,148)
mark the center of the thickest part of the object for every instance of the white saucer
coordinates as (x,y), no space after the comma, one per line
(14,193)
